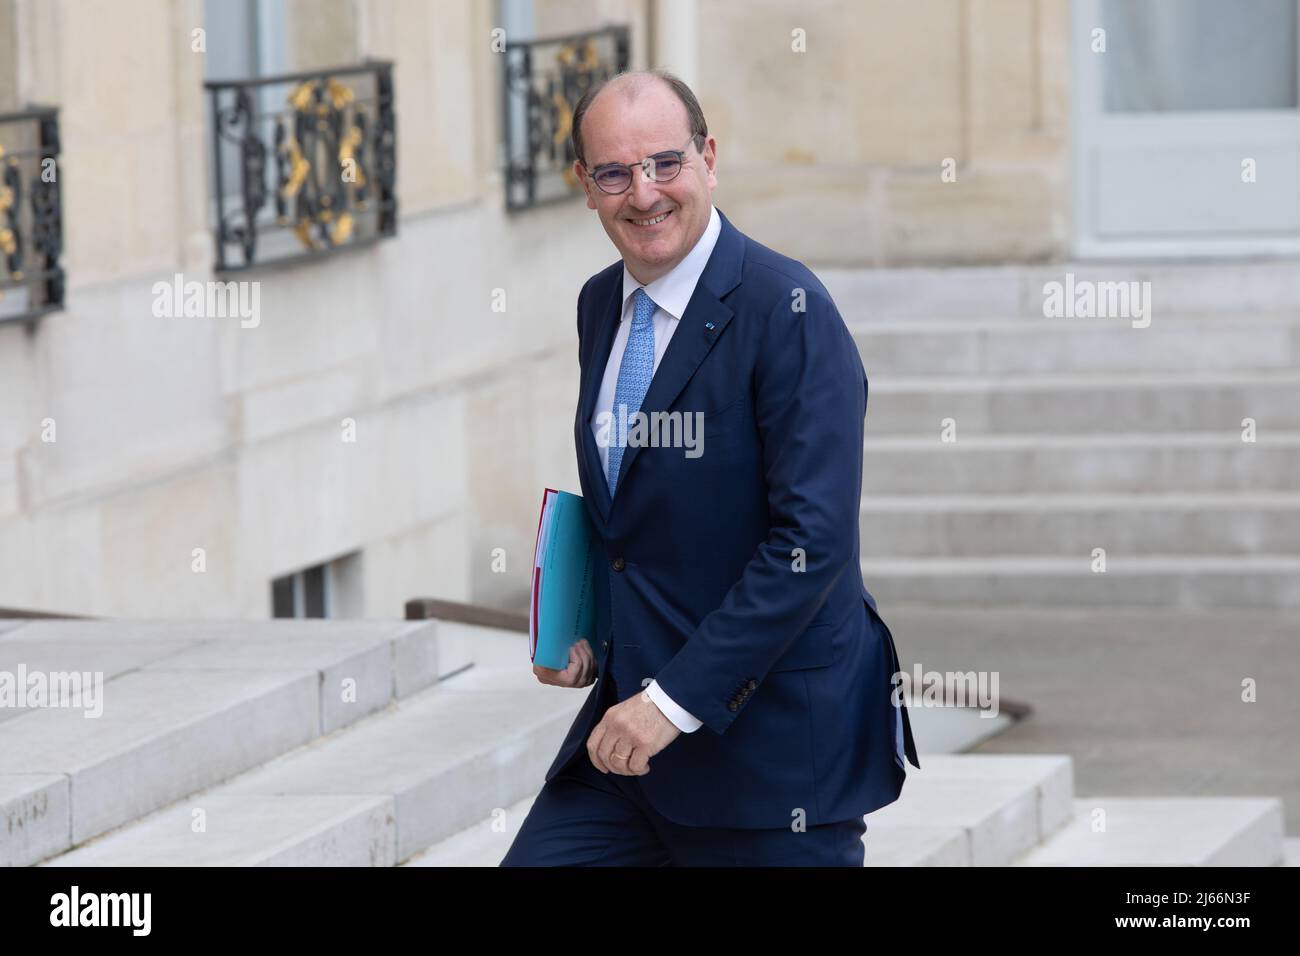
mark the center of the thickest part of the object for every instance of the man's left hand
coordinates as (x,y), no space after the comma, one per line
(628,735)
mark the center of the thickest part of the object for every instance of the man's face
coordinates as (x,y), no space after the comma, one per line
(616,130)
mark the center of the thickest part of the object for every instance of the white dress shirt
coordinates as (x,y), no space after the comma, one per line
(670,294)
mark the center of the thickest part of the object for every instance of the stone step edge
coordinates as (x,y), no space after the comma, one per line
(302,842)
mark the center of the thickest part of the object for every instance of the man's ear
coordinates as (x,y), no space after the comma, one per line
(580,172)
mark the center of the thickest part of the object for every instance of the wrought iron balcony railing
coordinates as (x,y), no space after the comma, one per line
(544,79)
(31,216)
(331,138)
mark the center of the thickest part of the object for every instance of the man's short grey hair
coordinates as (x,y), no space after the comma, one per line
(694,115)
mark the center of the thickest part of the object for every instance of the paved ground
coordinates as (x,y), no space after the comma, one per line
(1147,702)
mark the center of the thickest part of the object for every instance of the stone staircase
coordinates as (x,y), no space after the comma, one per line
(226,744)
(269,742)
(1074,434)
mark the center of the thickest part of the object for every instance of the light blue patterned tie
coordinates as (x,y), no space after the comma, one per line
(634,374)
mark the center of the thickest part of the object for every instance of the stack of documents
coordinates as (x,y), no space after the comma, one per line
(561,608)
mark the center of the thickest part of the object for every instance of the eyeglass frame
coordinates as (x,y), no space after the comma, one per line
(633,167)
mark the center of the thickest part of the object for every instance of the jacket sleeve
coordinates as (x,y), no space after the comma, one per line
(809,405)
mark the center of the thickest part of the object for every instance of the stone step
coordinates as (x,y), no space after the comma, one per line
(1180,582)
(1019,347)
(186,704)
(1141,831)
(1166,831)
(972,810)
(1085,403)
(379,791)
(1209,523)
(1177,289)
(1134,462)
(959,810)
(1239,834)
(484,843)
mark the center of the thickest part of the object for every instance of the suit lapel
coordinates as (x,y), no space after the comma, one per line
(591,379)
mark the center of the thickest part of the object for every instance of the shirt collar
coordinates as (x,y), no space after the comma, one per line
(672,291)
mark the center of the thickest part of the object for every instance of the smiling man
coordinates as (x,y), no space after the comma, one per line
(744,711)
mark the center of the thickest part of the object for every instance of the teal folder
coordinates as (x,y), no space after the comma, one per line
(562,604)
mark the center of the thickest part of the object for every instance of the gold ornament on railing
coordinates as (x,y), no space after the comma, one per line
(578,57)
(338,225)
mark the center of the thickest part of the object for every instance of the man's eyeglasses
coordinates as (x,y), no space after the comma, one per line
(615,178)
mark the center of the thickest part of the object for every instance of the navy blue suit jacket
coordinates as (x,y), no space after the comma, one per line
(733,578)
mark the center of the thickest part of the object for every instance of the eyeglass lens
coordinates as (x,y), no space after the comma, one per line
(618,178)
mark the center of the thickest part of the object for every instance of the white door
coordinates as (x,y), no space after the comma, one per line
(1187,127)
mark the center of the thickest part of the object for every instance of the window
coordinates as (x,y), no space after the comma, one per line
(332,589)
(304,593)
(245,39)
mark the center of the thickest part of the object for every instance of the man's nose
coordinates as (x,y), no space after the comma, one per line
(645,191)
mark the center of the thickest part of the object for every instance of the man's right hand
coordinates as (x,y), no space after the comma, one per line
(580,672)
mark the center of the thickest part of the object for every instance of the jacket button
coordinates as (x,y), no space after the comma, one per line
(733,707)
(617,564)
(645,681)
(753,684)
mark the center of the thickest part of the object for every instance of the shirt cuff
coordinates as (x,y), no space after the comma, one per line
(683,721)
